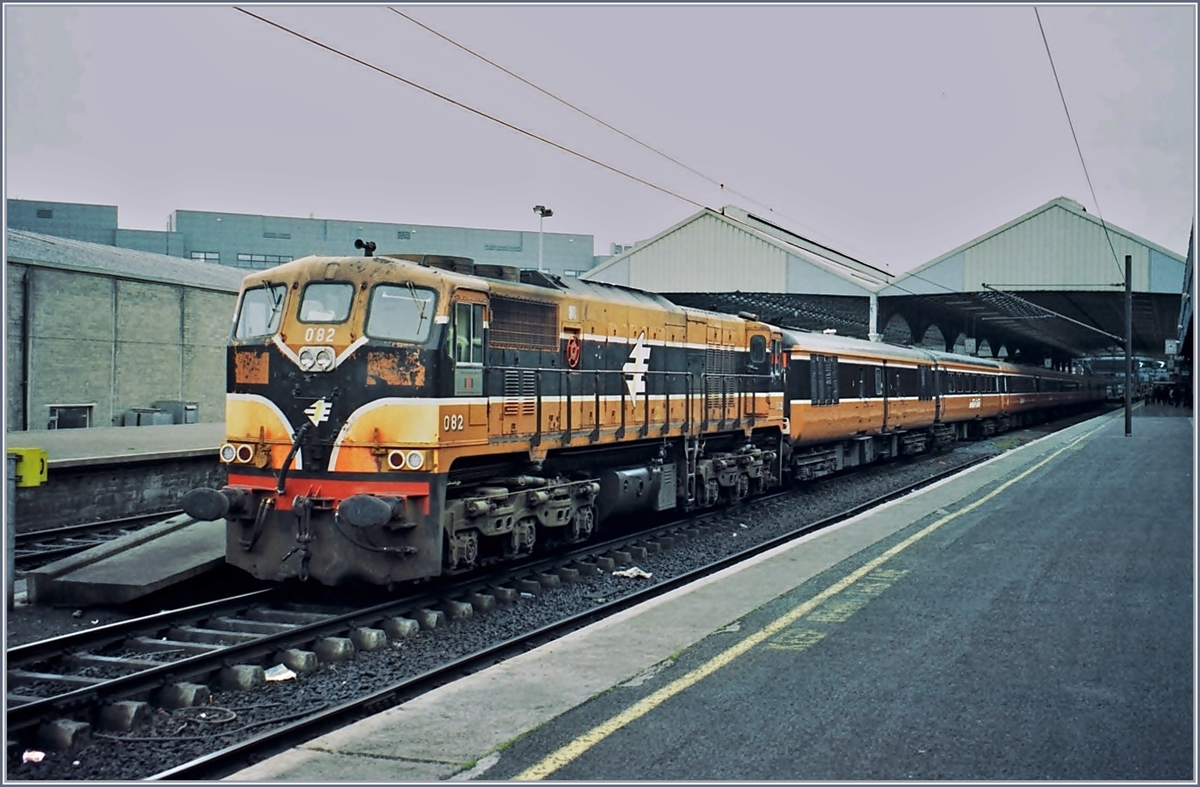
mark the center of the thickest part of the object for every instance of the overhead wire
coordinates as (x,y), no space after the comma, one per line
(724,187)
(537,137)
(1078,148)
(506,124)
(468,108)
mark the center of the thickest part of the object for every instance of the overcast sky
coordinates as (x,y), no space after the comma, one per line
(892,133)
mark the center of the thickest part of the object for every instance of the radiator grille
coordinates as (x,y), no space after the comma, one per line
(520,392)
(719,383)
(523,325)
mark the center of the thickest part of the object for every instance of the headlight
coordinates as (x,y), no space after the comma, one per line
(399,459)
(316,359)
(228,452)
(245,453)
(324,360)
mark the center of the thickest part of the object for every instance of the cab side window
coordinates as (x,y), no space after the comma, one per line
(758,349)
(466,336)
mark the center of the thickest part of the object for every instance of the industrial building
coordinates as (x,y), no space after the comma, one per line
(255,242)
(103,336)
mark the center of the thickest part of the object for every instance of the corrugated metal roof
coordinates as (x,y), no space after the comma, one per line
(33,248)
(710,241)
(1056,245)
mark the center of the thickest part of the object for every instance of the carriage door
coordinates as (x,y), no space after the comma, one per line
(935,390)
(468,322)
(881,388)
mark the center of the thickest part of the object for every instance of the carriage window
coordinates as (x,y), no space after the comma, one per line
(260,311)
(324,302)
(467,334)
(400,314)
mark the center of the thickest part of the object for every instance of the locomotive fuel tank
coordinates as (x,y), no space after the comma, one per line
(629,489)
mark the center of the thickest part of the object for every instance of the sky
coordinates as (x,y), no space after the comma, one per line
(893,133)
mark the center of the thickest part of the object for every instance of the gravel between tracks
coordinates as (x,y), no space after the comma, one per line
(177,736)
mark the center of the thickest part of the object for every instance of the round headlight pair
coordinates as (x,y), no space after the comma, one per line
(316,359)
(236,453)
(401,460)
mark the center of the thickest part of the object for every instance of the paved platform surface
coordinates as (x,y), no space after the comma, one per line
(1029,619)
(82,447)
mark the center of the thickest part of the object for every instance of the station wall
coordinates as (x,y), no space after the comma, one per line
(105,345)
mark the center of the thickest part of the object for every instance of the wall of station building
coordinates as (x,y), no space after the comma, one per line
(255,242)
(105,345)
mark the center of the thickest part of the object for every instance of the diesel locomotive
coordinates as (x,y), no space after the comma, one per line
(397,417)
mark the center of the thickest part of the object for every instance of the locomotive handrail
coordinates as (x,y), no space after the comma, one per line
(567,376)
(741,389)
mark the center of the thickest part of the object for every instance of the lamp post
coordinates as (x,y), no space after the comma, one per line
(543,213)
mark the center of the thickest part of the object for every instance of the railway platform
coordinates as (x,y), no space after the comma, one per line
(1032,618)
(114,472)
(110,472)
(69,448)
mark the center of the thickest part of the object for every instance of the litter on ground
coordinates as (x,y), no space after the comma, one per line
(279,672)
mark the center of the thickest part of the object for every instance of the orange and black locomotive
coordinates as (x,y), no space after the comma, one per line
(397,417)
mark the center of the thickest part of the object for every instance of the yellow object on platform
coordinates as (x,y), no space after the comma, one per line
(32,466)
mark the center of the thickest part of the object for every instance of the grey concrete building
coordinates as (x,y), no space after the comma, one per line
(255,242)
(96,333)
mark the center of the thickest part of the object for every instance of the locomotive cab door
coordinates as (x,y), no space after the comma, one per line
(759,369)
(465,344)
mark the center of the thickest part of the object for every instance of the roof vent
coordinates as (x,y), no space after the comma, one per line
(501,272)
(444,262)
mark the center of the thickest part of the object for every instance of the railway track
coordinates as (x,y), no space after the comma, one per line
(37,548)
(100,685)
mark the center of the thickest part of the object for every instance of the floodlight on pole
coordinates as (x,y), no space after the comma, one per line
(543,213)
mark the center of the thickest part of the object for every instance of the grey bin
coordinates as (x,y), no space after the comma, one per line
(181,412)
(147,416)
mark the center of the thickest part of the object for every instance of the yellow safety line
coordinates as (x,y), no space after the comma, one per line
(577,747)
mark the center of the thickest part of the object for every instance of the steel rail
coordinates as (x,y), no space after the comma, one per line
(223,762)
(29,544)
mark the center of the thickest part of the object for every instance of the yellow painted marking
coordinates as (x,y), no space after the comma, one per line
(871,589)
(839,610)
(800,639)
(576,748)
